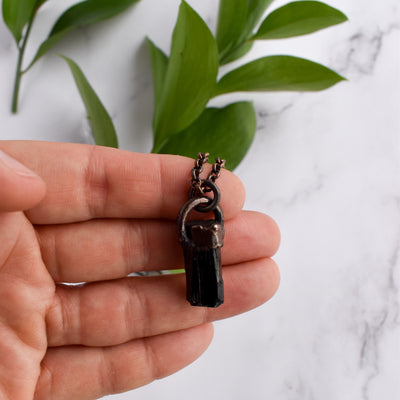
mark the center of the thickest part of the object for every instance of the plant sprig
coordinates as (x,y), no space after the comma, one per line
(186,80)
(182,123)
(19,16)
(101,124)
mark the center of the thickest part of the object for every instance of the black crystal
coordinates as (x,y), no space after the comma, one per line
(202,252)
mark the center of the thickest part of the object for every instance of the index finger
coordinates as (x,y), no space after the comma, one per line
(86,182)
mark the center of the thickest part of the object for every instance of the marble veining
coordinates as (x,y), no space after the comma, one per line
(363,50)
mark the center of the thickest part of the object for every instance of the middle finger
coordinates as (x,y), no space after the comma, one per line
(110,249)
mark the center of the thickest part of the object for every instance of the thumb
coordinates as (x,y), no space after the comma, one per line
(20,188)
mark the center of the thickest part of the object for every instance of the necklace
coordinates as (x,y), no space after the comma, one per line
(202,239)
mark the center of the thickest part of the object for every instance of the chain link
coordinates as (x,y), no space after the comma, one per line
(197,183)
(216,169)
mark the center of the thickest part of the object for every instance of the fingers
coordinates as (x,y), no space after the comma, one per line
(21,188)
(114,312)
(86,182)
(110,249)
(87,373)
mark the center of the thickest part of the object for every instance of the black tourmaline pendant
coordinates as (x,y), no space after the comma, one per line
(202,241)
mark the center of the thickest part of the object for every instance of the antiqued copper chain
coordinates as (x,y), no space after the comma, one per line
(197,183)
(216,169)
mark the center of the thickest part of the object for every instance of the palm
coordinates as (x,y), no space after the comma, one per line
(106,214)
(26,292)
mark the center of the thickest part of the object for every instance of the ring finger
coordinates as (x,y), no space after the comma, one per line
(114,312)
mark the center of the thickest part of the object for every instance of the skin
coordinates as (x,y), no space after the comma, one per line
(90,214)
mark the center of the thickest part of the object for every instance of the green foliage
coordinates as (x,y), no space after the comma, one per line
(18,14)
(186,81)
(233,33)
(255,10)
(236,53)
(39,3)
(79,15)
(159,63)
(190,76)
(278,73)
(231,25)
(102,127)
(298,18)
(227,132)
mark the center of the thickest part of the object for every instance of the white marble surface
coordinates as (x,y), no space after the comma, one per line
(330,165)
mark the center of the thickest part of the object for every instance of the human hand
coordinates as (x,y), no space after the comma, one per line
(96,215)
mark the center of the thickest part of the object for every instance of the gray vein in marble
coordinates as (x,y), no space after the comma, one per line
(376,327)
(264,114)
(369,354)
(308,189)
(298,388)
(363,51)
(393,286)
(143,85)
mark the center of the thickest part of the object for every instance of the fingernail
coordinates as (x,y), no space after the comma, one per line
(15,165)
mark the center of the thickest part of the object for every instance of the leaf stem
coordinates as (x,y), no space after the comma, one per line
(19,72)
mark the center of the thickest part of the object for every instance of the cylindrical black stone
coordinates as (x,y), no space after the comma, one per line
(204,284)
(202,241)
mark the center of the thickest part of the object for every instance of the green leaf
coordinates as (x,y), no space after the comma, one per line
(232,18)
(89,12)
(240,45)
(39,3)
(47,45)
(102,127)
(176,271)
(159,64)
(225,132)
(237,53)
(278,73)
(299,18)
(16,14)
(79,15)
(256,9)
(190,78)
